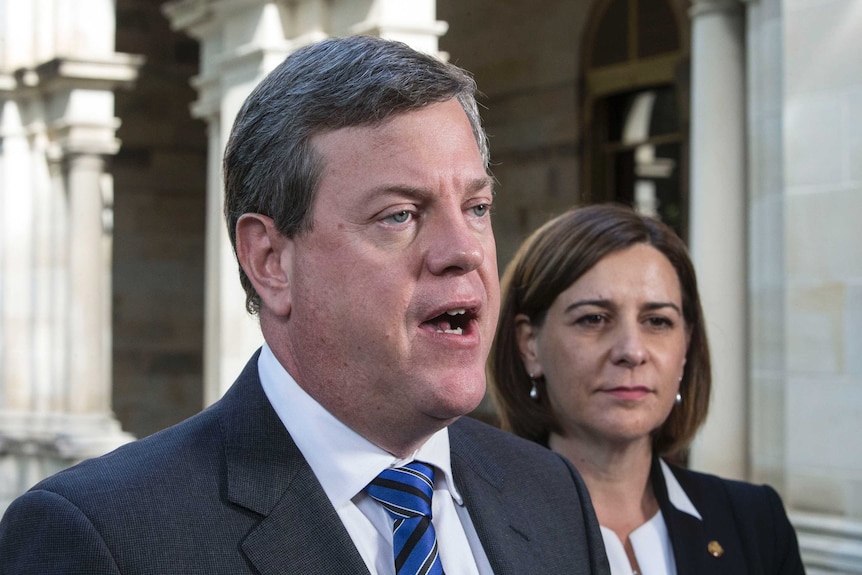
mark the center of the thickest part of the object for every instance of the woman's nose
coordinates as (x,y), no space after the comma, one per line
(629,346)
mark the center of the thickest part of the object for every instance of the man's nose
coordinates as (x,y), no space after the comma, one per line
(454,246)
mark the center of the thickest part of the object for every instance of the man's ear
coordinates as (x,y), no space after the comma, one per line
(526,334)
(265,255)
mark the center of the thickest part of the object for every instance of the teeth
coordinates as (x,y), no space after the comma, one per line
(460,311)
(456,331)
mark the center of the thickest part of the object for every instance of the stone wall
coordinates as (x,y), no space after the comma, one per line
(526,60)
(823,196)
(159,213)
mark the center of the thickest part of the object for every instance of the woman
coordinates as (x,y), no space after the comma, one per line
(601,354)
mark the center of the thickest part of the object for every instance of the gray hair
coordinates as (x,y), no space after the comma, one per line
(269,165)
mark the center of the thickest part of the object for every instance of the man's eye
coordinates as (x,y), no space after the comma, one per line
(481,209)
(399,217)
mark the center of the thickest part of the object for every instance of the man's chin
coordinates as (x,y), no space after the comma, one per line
(452,407)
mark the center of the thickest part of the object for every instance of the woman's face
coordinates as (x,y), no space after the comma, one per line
(612,348)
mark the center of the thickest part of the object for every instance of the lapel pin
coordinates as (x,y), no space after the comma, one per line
(715,549)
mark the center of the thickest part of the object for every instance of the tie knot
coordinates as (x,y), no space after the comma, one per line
(405,491)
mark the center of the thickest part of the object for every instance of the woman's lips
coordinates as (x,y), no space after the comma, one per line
(628,393)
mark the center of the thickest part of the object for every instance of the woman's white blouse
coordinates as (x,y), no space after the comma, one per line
(650,541)
(651,545)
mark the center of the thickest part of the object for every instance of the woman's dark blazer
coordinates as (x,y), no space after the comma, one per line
(747,521)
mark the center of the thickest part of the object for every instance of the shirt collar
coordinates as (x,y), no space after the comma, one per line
(675,493)
(343,461)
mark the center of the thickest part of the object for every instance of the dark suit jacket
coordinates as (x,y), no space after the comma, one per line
(748,521)
(227,491)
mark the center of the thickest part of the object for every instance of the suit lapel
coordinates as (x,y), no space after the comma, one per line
(303,534)
(266,473)
(685,531)
(690,536)
(503,527)
(688,540)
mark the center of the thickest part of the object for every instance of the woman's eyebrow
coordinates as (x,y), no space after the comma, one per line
(584,302)
(650,306)
(661,305)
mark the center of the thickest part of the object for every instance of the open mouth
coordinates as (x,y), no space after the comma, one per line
(453,321)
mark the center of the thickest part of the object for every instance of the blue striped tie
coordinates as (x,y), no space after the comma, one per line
(406,493)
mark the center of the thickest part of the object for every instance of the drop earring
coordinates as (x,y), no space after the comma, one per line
(678,398)
(534,390)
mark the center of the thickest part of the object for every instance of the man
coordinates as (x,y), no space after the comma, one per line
(358,202)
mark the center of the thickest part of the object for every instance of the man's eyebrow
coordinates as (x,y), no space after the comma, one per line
(400,190)
(418,193)
(481,184)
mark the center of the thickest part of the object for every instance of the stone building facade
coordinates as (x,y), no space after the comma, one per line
(737,121)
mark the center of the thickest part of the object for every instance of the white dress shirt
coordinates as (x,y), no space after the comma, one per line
(345,463)
(650,541)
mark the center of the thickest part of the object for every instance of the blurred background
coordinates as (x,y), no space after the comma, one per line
(738,122)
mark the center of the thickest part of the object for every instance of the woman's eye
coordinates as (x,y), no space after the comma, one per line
(398,217)
(660,322)
(592,319)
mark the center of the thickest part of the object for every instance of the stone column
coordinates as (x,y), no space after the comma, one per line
(55,396)
(80,125)
(241,41)
(89,301)
(718,223)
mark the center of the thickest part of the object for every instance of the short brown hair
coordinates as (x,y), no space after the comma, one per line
(549,261)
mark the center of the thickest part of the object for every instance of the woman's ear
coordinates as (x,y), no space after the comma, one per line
(265,255)
(527,333)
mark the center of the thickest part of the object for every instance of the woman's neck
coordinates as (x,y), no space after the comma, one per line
(617,477)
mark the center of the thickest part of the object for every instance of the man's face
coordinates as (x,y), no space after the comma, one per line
(394,293)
